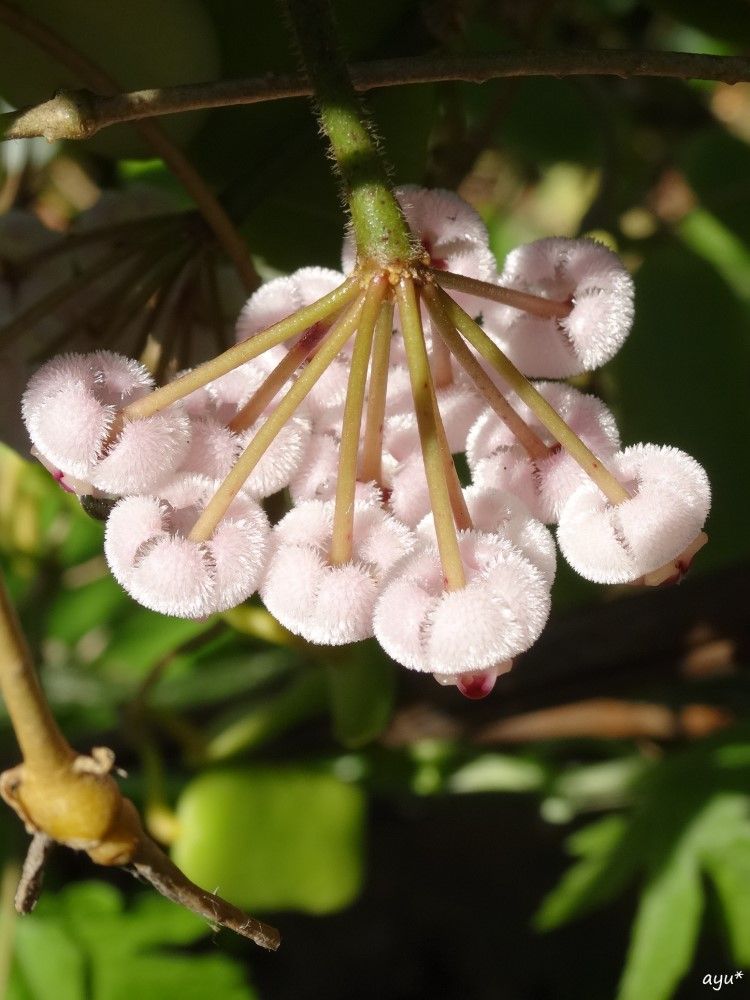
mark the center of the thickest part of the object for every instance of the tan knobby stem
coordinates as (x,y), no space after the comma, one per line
(72,799)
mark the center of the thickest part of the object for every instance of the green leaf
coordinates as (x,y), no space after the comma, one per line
(728,19)
(716,165)
(246,727)
(729,869)
(83,943)
(222,676)
(497,772)
(682,379)
(62,974)
(361,690)
(143,637)
(273,838)
(604,868)
(77,610)
(665,931)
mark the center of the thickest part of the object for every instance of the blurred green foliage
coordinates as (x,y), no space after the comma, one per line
(269,761)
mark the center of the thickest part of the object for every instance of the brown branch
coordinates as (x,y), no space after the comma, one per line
(79,114)
(153,865)
(73,800)
(30,883)
(93,76)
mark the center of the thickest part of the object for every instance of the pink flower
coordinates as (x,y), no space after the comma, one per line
(150,555)
(70,406)
(587,274)
(497,460)
(330,604)
(498,614)
(670,501)
(503,514)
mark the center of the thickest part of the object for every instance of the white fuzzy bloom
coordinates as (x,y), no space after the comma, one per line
(69,408)
(459,404)
(280,297)
(497,460)
(670,500)
(409,497)
(329,604)
(282,459)
(503,514)
(214,448)
(581,271)
(499,613)
(150,555)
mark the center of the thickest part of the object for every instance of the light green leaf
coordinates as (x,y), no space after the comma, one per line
(497,772)
(729,869)
(83,943)
(665,931)
(606,865)
(273,838)
(62,973)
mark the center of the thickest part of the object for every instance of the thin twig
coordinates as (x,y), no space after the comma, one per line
(32,875)
(153,865)
(79,114)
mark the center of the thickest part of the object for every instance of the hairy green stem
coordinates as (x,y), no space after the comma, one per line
(380,229)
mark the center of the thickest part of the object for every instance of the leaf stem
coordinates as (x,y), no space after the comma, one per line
(527,438)
(280,375)
(42,743)
(534,304)
(371,464)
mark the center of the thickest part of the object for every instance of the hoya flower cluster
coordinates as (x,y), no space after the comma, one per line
(352,391)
